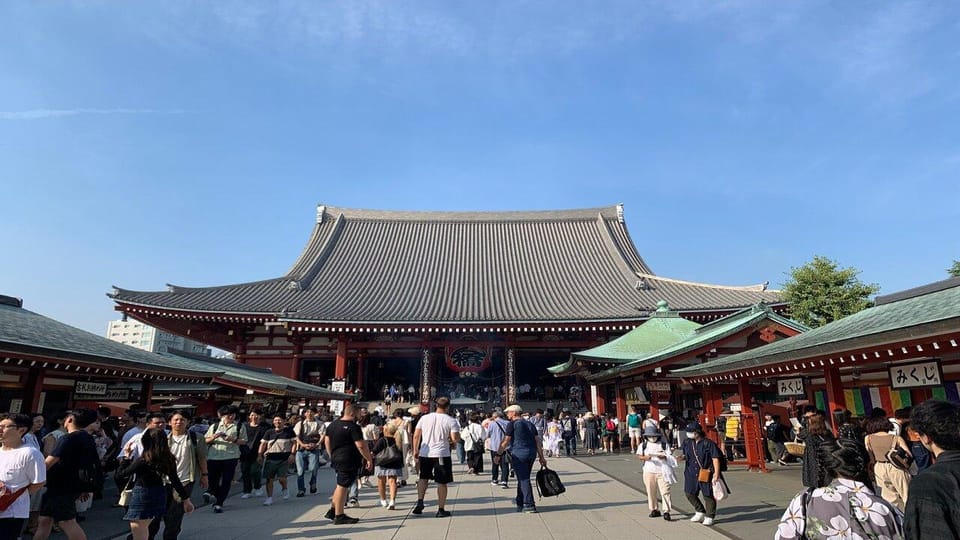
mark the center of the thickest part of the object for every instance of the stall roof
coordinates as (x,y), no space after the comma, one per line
(25,332)
(704,336)
(236,374)
(929,310)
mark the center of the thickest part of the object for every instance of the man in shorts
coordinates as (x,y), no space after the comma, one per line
(634,428)
(74,451)
(276,454)
(348,452)
(432,439)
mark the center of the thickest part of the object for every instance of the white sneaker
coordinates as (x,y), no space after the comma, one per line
(285,494)
(245,496)
(258,493)
(383,503)
(698,517)
(708,521)
(268,501)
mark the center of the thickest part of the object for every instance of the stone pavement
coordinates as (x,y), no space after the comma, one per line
(594,506)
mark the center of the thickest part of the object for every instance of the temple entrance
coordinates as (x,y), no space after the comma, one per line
(380,373)
(473,378)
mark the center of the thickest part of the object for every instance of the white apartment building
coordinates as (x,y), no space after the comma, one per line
(142,336)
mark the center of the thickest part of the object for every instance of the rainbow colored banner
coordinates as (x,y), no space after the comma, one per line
(950,391)
(860,401)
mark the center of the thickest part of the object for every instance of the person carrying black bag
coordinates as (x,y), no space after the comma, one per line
(388,458)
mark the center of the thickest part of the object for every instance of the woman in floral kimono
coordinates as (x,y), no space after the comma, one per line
(551,443)
(846,508)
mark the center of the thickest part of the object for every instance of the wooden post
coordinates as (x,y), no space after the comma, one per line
(33,386)
(601,400)
(621,402)
(712,407)
(835,398)
(361,363)
(749,432)
(340,367)
(146,393)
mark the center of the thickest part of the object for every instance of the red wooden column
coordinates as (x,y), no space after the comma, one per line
(621,402)
(33,386)
(654,406)
(712,406)
(749,432)
(835,398)
(340,367)
(146,393)
(601,400)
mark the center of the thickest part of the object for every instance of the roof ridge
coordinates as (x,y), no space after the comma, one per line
(759,287)
(609,212)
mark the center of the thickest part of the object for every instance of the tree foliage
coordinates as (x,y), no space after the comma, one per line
(820,292)
(954,270)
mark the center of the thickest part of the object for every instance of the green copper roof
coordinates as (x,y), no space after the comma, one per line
(664,328)
(924,311)
(705,335)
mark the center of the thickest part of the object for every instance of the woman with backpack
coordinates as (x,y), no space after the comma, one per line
(147,476)
(473,437)
(610,433)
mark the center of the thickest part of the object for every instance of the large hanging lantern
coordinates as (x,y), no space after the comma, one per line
(468,360)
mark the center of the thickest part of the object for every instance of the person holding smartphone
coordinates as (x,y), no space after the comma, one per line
(658,474)
(223,440)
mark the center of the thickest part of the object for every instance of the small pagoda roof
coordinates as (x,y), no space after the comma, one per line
(25,332)
(262,379)
(662,329)
(383,267)
(704,336)
(925,311)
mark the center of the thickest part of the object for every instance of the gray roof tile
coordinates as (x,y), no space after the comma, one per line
(368,266)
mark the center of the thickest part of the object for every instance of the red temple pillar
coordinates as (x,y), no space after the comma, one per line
(835,397)
(340,367)
(654,407)
(749,432)
(601,400)
(33,386)
(146,394)
(621,402)
(361,364)
(712,407)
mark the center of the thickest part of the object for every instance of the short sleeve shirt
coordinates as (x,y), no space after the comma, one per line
(343,448)
(279,443)
(523,438)
(19,468)
(435,430)
(74,450)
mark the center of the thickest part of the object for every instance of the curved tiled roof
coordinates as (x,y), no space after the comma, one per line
(367,266)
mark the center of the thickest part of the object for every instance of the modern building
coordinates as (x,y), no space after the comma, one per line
(441,301)
(147,338)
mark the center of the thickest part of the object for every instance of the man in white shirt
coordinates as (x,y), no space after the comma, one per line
(434,435)
(153,420)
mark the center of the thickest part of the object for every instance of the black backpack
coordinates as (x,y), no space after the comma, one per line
(90,476)
(548,483)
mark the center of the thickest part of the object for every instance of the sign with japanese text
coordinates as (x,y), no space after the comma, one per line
(927,373)
(111,394)
(790,387)
(90,388)
(336,405)
(658,386)
(635,395)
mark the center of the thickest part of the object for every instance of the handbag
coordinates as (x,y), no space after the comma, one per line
(704,474)
(8,497)
(127,493)
(389,455)
(899,458)
(795,449)
(548,483)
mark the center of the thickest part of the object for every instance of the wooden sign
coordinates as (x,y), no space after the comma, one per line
(90,388)
(658,386)
(916,374)
(790,387)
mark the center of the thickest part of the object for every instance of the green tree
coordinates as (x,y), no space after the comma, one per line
(820,292)
(954,270)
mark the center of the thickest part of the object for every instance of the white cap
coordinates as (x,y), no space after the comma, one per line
(514,408)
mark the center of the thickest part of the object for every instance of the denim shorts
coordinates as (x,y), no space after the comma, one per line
(147,503)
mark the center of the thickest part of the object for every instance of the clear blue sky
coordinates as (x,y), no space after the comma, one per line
(189,142)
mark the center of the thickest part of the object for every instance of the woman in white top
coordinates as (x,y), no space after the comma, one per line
(22,472)
(658,474)
(473,437)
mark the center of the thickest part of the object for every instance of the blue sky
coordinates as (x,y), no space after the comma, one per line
(189,142)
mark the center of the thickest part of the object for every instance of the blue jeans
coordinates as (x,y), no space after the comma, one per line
(307,462)
(570,443)
(461,453)
(521,468)
(500,473)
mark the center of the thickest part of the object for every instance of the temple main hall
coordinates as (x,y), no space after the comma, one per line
(475,303)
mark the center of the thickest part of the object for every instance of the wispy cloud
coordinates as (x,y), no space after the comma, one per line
(39,114)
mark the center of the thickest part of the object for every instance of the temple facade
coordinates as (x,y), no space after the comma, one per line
(474,303)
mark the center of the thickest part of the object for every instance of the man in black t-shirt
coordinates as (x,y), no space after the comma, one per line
(348,451)
(74,451)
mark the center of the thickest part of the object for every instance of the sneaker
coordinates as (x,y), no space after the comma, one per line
(313,489)
(708,521)
(392,506)
(529,509)
(353,503)
(344,519)
(207,497)
(258,493)
(418,509)
(301,493)
(494,483)
(330,514)
(443,513)
(383,503)
(655,514)
(666,516)
(698,517)
(503,485)
(246,496)
(217,509)
(268,501)
(285,493)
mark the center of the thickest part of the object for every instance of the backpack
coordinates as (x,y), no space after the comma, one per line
(548,483)
(772,431)
(90,477)
(611,427)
